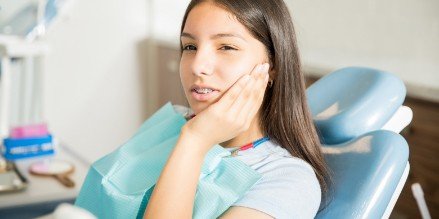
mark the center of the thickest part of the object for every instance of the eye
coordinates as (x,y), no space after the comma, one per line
(189,47)
(226,47)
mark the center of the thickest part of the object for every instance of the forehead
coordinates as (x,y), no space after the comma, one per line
(208,19)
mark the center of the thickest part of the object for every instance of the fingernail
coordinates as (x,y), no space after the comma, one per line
(266,67)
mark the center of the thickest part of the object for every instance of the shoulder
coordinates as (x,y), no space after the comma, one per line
(288,188)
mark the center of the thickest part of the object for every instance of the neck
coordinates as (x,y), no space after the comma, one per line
(251,134)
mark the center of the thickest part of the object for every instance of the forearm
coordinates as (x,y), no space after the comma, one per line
(174,193)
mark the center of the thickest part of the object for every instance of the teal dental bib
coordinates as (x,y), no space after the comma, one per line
(120,184)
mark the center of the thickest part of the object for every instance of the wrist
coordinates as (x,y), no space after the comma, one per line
(196,141)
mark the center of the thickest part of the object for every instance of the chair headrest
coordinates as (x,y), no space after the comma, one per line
(353,101)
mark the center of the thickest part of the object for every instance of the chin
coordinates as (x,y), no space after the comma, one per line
(199,107)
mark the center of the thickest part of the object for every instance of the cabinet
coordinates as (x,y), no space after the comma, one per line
(163,79)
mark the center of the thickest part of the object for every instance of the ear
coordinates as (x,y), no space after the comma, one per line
(272,71)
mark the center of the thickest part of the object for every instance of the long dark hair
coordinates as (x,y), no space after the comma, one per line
(285,116)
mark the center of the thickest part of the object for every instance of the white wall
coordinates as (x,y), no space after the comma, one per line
(94,87)
(400,36)
(167,17)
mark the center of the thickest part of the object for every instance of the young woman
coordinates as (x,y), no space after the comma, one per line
(241,74)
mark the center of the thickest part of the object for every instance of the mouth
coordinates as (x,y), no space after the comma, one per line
(203,93)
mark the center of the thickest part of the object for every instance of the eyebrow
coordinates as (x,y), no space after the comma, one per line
(215,36)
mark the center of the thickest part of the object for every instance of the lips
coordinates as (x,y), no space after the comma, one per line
(201,87)
(203,92)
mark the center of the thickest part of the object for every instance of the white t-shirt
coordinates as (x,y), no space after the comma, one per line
(288,188)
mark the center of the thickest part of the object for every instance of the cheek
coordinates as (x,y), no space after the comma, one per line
(231,70)
(185,73)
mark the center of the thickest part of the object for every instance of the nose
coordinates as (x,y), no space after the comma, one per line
(203,63)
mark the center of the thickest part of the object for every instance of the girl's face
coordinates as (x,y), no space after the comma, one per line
(217,51)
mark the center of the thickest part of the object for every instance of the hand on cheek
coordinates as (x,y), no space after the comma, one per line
(233,113)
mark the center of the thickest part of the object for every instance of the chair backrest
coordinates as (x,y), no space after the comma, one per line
(353,101)
(350,107)
(366,174)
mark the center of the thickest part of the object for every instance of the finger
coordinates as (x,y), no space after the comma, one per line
(246,92)
(253,104)
(236,89)
(244,96)
(258,104)
(232,93)
(254,91)
(262,77)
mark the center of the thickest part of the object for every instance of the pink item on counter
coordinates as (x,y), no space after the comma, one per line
(28,131)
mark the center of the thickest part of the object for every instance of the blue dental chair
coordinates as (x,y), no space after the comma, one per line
(358,112)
